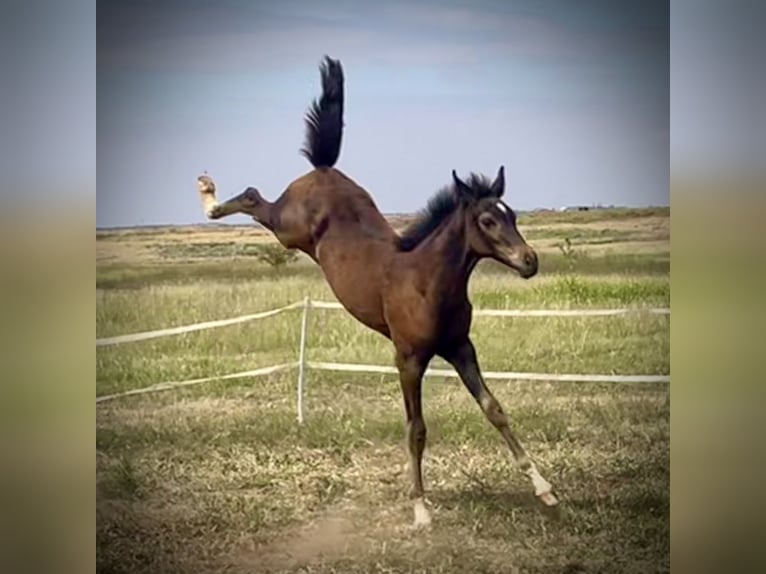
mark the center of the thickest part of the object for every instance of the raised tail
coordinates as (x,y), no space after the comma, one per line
(324,119)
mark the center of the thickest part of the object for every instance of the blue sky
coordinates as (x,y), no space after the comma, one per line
(573,97)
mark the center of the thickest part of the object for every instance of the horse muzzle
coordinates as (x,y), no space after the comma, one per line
(524,261)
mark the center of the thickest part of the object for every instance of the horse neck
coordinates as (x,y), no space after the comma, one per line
(456,259)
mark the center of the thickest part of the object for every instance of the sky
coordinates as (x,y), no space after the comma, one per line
(572,97)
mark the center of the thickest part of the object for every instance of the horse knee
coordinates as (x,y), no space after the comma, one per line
(418,430)
(409,366)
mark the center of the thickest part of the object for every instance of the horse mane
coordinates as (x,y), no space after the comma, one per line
(440,207)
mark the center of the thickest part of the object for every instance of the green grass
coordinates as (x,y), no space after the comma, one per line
(590,236)
(239,269)
(219,477)
(608,263)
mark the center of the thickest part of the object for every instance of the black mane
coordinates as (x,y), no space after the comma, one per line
(441,205)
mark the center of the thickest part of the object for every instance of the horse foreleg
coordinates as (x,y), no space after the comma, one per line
(464,360)
(249,202)
(411,371)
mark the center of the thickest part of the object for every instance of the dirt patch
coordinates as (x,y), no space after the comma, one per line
(337,535)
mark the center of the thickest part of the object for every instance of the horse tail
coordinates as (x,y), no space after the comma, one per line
(324,119)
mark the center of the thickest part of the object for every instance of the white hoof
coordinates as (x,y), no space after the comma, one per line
(422,516)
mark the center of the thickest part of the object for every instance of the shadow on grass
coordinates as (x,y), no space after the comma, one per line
(478,499)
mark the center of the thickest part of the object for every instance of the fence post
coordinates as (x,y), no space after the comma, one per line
(302,357)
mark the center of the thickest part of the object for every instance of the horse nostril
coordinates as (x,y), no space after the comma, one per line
(529,259)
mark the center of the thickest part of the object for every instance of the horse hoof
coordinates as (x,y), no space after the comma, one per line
(422,516)
(548,499)
(421,524)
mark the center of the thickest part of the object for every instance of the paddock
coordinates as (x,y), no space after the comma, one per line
(221,475)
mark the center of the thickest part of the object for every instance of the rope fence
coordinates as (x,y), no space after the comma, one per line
(304,365)
(191,328)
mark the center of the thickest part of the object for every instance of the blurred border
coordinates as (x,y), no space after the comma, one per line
(47,217)
(718,284)
(717,206)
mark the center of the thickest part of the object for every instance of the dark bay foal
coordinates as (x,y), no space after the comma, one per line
(413,288)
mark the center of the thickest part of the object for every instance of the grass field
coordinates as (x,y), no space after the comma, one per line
(220,478)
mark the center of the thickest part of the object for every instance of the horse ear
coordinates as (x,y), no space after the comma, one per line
(463,191)
(498,186)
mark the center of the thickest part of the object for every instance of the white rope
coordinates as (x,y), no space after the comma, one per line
(567,312)
(104,341)
(536,312)
(361,368)
(194,327)
(174,385)
(357,368)
(347,367)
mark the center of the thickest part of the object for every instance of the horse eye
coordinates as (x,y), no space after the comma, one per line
(488,222)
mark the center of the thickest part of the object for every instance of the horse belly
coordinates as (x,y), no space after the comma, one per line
(355,277)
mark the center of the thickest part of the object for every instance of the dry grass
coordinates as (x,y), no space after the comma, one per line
(142,245)
(230,483)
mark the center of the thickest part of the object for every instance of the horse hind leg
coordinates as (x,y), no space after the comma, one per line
(249,202)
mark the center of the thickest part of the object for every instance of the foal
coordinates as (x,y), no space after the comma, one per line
(413,289)
(427,308)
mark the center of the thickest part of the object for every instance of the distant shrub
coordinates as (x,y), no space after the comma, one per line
(276,255)
(572,255)
(272,254)
(209,249)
